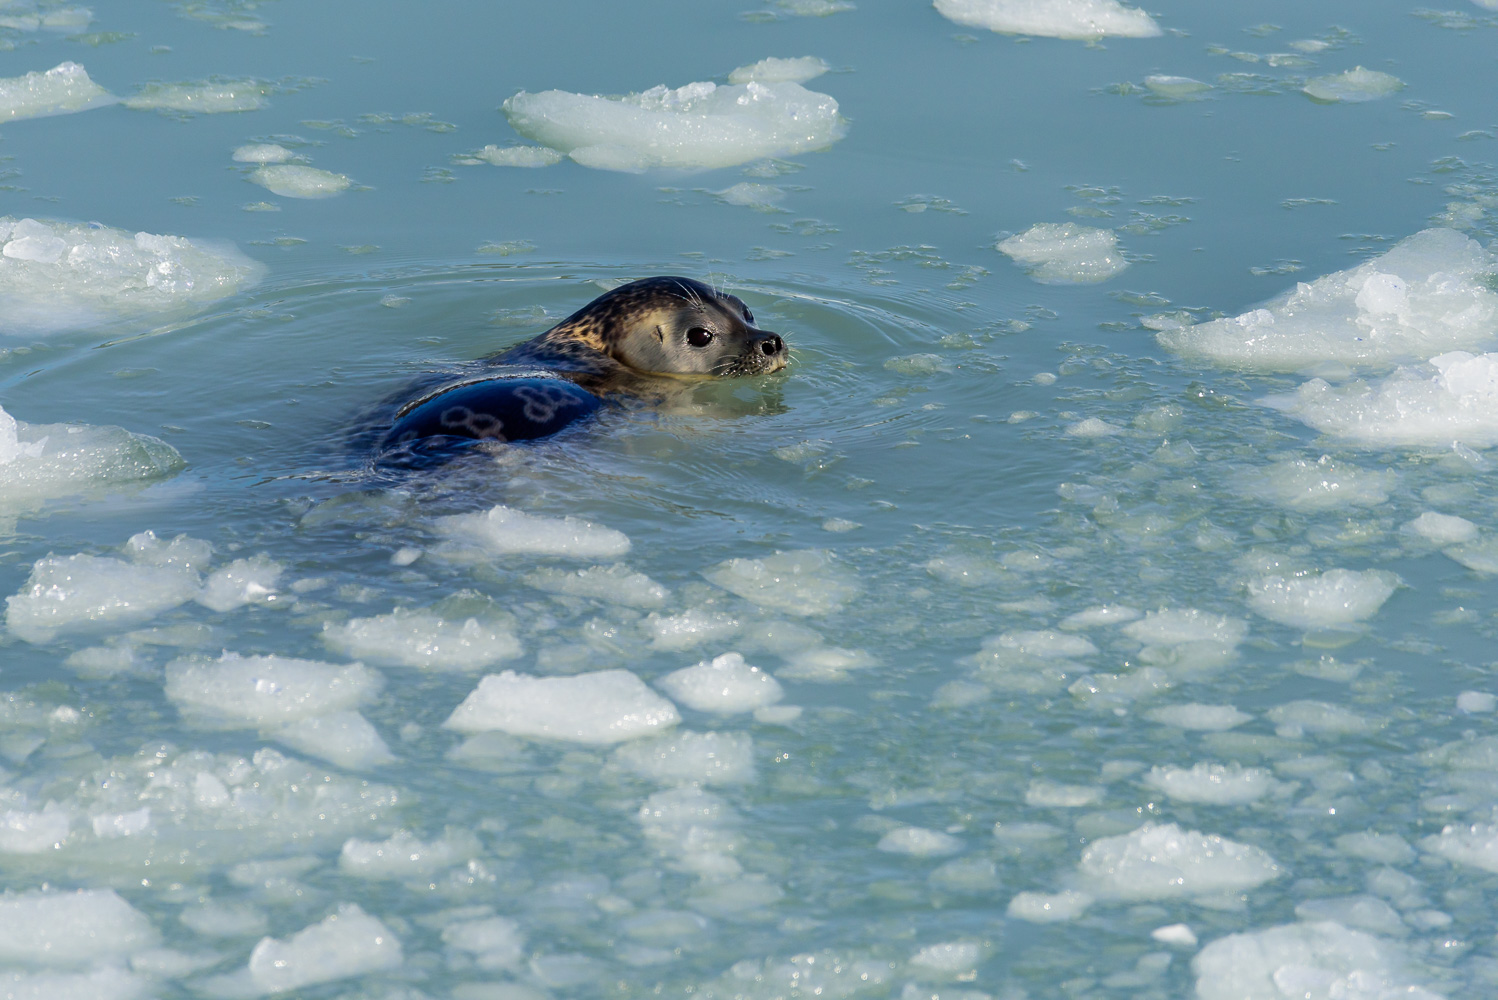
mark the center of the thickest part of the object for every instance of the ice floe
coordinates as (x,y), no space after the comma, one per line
(348,942)
(1323,484)
(1049,907)
(724,684)
(691,758)
(693,830)
(242,582)
(607,706)
(426,639)
(919,841)
(41,462)
(1162,861)
(617,584)
(70,929)
(1207,718)
(700,125)
(236,690)
(1175,87)
(262,152)
(1428,295)
(61,90)
(775,70)
(1442,529)
(806,582)
(405,856)
(511,156)
(1313,959)
(85,593)
(204,97)
(1187,642)
(1335,599)
(504,530)
(297,180)
(1296,718)
(1065,253)
(1035,661)
(1215,784)
(55,275)
(1077,19)
(1357,84)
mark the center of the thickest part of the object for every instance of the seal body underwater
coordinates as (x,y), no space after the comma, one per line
(627,343)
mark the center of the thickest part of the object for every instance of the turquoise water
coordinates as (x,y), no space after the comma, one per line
(972,456)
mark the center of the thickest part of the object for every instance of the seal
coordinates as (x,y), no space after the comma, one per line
(629,343)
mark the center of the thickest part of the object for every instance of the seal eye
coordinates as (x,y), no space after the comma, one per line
(698,337)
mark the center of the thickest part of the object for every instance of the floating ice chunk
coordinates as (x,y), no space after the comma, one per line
(1363,912)
(1296,718)
(724,684)
(1082,19)
(1357,84)
(23,832)
(67,929)
(514,156)
(1480,555)
(608,706)
(775,70)
(128,824)
(262,152)
(1166,862)
(504,530)
(1049,908)
(181,552)
(343,738)
(806,582)
(1338,597)
(1476,702)
(1458,403)
(760,197)
(1317,959)
(61,90)
(404,856)
(823,663)
(700,125)
(1176,87)
(1048,795)
(1475,845)
(41,462)
(204,97)
(243,581)
(1175,934)
(1324,484)
(920,842)
(692,627)
(617,584)
(347,943)
(295,180)
(1384,848)
(822,8)
(1442,529)
(235,690)
(107,983)
(692,758)
(1208,718)
(90,593)
(1065,253)
(1215,784)
(1441,302)
(1092,427)
(1102,614)
(694,830)
(1105,690)
(949,956)
(494,942)
(423,639)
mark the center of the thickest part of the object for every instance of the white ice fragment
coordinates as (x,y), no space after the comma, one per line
(235,691)
(691,758)
(181,552)
(806,582)
(692,627)
(295,180)
(1176,87)
(262,152)
(517,156)
(1162,861)
(1296,718)
(26,832)
(109,982)
(725,685)
(760,197)
(1445,305)
(1363,912)
(1079,19)
(204,97)
(108,825)
(1048,795)
(694,831)
(1476,702)
(1338,597)
(775,70)
(1049,908)
(243,581)
(90,593)
(1320,959)
(1092,427)
(617,584)
(1065,253)
(344,738)
(1475,845)
(1357,84)
(1175,934)
(61,90)
(823,663)
(1324,484)
(504,530)
(423,639)
(40,462)
(1215,784)
(404,856)
(919,842)
(1177,626)
(700,125)
(1102,614)
(1384,848)
(70,929)
(347,943)
(1207,718)
(949,956)
(608,706)
(495,943)
(1442,529)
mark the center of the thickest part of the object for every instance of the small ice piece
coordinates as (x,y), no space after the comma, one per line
(1048,907)
(514,156)
(343,738)
(806,582)
(1206,718)
(1476,702)
(495,943)
(725,685)
(243,581)
(1442,529)
(919,842)
(1175,87)
(181,552)
(235,691)
(404,856)
(347,943)
(691,758)
(824,663)
(262,152)
(1102,614)
(1214,784)
(71,929)
(1475,845)
(775,70)
(422,639)
(62,275)
(1175,934)
(1065,253)
(1048,795)
(700,125)
(1355,85)
(504,530)
(607,706)
(1076,19)
(1363,912)
(1092,427)
(24,832)
(295,180)
(1360,316)
(1384,848)
(692,627)
(1336,598)
(90,593)
(949,957)
(693,829)
(617,584)
(44,461)
(1162,861)
(760,197)
(1296,718)
(1308,959)
(204,97)
(61,90)
(1324,484)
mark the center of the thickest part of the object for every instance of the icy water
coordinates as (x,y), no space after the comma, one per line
(1100,605)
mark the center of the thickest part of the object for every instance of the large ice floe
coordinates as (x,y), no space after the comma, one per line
(1081,19)
(700,125)
(56,275)
(1338,598)
(1320,960)
(607,706)
(1162,861)
(1065,253)
(61,90)
(40,462)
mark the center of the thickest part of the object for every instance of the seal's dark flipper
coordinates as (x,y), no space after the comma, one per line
(497,409)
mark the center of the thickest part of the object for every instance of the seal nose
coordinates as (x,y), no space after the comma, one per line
(772,345)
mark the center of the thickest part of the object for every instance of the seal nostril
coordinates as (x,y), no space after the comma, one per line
(772,345)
